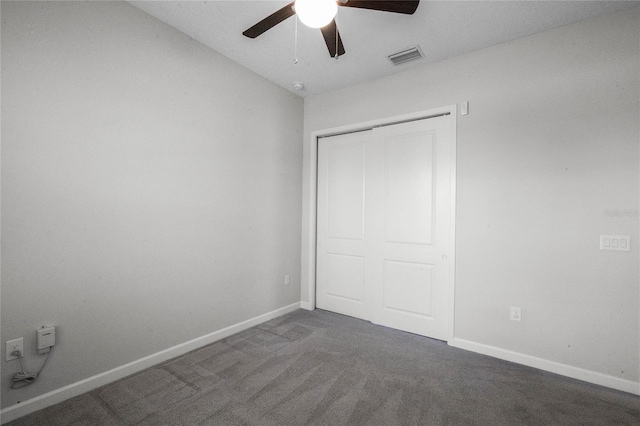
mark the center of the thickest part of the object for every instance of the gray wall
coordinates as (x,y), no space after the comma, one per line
(150,188)
(550,143)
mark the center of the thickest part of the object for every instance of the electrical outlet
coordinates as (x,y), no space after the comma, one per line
(516,314)
(12,346)
(287,280)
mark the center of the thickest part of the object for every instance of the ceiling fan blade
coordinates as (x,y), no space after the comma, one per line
(270,21)
(407,7)
(329,32)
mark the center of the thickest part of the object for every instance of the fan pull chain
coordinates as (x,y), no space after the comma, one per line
(295,48)
(335,21)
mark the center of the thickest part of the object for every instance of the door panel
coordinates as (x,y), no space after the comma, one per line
(407,287)
(345,277)
(341,216)
(410,287)
(345,192)
(408,186)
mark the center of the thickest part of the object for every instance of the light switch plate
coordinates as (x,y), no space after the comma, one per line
(615,242)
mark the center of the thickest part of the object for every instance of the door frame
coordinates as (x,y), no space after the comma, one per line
(310,279)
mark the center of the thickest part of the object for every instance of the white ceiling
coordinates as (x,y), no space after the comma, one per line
(442,29)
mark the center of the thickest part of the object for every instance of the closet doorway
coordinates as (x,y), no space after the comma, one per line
(384,234)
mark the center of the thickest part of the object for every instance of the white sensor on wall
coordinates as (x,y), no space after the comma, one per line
(464,108)
(46,339)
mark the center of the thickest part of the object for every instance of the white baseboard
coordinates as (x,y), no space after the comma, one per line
(78,388)
(306,305)
(551,366)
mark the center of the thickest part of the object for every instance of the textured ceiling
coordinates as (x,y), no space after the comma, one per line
(442,29)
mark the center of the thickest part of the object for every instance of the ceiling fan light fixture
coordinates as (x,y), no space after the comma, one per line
(316,13)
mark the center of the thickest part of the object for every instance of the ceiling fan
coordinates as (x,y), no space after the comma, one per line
(306,13)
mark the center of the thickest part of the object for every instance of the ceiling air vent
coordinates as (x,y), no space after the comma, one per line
(406,56)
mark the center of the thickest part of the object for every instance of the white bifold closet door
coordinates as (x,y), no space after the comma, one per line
(383,225)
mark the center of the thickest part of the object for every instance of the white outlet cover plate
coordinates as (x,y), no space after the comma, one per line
(13,345)
(516,314)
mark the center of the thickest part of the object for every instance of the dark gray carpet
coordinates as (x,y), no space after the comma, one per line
(322,368)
